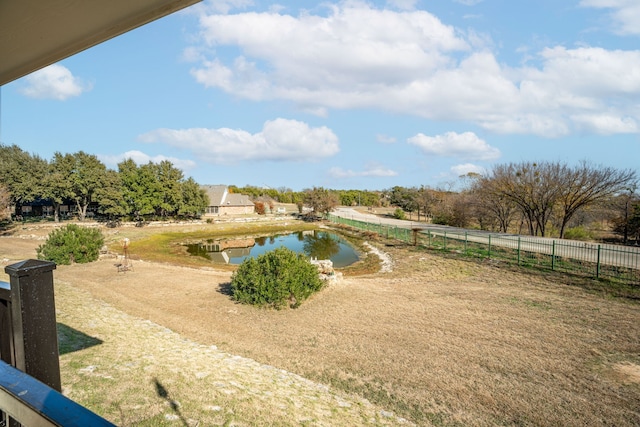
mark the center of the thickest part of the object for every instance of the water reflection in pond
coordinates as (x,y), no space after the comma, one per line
(314,244)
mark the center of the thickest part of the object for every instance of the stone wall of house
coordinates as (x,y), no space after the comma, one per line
(232,210)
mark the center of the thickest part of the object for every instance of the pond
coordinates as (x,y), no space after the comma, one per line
(314,244)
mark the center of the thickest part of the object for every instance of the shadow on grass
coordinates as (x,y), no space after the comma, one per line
(163,393)
(70,340)
(225,289)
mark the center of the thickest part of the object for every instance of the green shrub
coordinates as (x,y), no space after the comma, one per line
(398,214)
(72,244)
(442,219)
(578,233)
(275,279)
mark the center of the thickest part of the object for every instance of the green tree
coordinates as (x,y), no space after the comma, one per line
(110,197)
(320,200)
(194,199)
(22,174)
(87,177)
(139,188)
(57,185)
(404,198)
(359,198)
(160,189)
(5,203)
(169,188)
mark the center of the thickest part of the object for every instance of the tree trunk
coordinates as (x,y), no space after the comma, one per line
(82,210)
(56,212)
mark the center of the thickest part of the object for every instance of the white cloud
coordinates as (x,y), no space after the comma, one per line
(53,82)
(280,140)
(460,170)
(465,145)
(625,14)
(607,123)
(141,158)
(329,61)
(373,170)
(409,62)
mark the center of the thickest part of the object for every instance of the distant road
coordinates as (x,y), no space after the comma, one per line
(351,213)
(617,255)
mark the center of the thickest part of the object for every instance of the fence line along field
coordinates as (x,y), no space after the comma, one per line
(434,341)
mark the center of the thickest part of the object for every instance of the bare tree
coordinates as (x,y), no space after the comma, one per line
(552,189)
(424,199)
(586,184)
(490,205)
(533,187)
(626,220)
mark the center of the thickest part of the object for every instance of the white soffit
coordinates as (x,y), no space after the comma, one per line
(37,33)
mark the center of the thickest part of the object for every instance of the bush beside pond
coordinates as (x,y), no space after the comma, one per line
(72,244)
(276,279)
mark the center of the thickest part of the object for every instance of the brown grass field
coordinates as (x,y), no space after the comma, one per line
(436,341)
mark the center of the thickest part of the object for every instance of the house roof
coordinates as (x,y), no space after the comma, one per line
(219,196)
(233,199)
(216,194)
(37,33)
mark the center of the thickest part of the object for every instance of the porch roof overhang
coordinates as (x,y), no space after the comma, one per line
(37,33)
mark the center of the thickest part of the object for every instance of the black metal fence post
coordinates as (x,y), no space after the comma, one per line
(33,319)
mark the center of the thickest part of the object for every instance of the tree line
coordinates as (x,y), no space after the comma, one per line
(287,195)
(538,198)
(535,198)
(81,179)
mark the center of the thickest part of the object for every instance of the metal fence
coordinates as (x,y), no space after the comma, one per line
(619,263)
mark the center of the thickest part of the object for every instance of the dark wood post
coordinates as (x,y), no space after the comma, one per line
(33,318)
(415,235)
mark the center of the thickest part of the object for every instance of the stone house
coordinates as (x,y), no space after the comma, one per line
(222,202)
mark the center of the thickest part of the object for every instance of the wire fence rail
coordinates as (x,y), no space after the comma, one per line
(618,263)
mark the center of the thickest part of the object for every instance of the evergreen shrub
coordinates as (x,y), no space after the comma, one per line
(399,214)
(276,279)
(72,244)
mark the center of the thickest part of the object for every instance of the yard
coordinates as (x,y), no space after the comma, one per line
(436,341)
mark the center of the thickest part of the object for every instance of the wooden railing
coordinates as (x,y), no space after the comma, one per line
(30,383)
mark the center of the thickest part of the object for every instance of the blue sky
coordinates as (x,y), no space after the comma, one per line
(346,94)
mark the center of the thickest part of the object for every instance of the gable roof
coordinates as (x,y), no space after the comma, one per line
(219,196)
(216,193)
(233,199)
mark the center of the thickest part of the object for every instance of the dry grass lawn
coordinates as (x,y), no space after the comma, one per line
(437,341)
